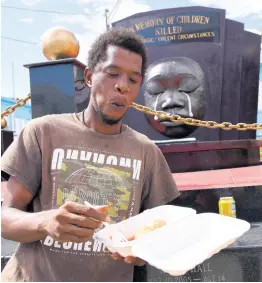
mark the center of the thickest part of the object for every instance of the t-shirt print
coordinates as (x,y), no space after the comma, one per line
(101,178)
(99,184)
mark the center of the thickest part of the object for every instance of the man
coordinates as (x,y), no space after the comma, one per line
(59,161)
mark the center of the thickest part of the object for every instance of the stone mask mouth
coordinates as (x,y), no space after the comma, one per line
(168,123)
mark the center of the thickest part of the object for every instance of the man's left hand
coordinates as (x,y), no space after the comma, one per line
(129,259)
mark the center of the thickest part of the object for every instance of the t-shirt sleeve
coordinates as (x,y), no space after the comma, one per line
(23,159)
(159,186)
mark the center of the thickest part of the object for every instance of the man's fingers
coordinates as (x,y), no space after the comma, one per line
(83,221)
(78,231)
(67,237)
(116,256)
(140,262)
(130,259)
(134,260)
(81,209)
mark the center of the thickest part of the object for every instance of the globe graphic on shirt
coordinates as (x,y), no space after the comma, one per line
(98,186)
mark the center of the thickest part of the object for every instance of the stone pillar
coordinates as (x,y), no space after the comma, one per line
(57,87)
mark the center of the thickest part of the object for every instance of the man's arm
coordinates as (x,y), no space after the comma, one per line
(18,225)
(70,223)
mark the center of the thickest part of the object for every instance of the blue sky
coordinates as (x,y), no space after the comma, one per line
(30,26)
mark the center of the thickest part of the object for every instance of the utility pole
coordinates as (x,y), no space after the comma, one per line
(106,16)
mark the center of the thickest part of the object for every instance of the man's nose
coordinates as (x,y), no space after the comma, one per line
(122,84)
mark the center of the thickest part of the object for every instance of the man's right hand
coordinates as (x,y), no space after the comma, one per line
(74,222)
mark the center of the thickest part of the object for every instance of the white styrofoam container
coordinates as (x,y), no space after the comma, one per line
(187,240)
(128,228)
(179,247)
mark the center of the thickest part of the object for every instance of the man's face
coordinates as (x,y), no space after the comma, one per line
(115,83)
(175,86)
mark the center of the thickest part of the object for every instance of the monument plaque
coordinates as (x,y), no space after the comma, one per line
(178,27)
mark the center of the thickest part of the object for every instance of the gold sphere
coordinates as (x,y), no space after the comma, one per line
(3,123)
(59,43)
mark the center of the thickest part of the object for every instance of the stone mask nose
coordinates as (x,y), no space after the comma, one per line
(174,99)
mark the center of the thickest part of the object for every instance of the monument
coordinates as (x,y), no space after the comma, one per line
(220,47)
(202,66)
(220,84)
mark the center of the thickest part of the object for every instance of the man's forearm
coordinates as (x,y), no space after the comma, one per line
(22,226)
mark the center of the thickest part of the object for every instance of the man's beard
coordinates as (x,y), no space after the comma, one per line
(109,121)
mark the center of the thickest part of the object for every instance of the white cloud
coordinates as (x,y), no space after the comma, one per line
(95,1)
(85,41)
(95,24)
(255,31)
(71,20)
(130,8)
(85,1)
(27,20)
(30,2)
(234,8)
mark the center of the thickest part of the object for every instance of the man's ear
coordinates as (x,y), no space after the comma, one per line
(88,76)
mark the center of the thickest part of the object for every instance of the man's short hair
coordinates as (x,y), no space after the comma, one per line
(123,38)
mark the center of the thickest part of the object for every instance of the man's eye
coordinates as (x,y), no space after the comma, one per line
(112,74)
(132,81)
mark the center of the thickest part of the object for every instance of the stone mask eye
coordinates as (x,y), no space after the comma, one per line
(154,87)
(188,84)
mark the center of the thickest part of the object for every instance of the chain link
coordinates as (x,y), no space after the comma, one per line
(20,103)
(11,109)
(227,126)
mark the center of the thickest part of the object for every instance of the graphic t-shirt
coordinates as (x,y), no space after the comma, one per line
(58,158)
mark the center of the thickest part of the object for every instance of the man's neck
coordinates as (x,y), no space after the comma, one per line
(93,122)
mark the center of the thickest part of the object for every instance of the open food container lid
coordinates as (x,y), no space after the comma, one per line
(179,247)
(185,241)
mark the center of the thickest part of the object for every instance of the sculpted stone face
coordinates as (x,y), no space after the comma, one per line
(176,86)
